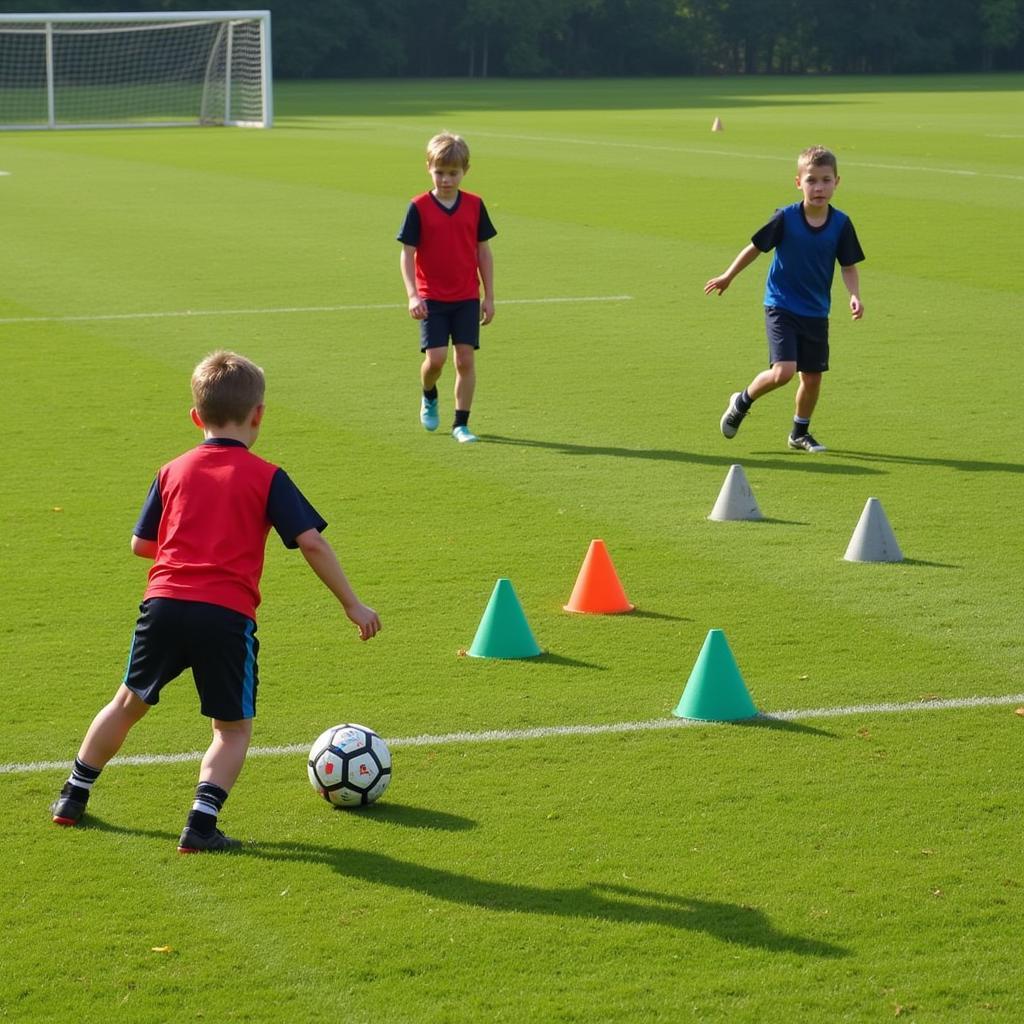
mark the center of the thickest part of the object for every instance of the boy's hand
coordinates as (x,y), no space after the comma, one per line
(717,284)
(365,618)
(856,307)
(486,311)
(417,308)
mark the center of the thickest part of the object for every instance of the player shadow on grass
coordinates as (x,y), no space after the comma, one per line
(728,922)
(794,460)
(963,465)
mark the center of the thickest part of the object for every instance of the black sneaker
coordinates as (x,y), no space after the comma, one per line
(805,443)
(192,841)
(67,811)
(732,417)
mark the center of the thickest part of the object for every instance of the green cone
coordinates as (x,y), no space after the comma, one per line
(503,631)
(715,691)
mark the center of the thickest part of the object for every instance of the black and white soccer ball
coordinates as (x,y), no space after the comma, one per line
(349,765)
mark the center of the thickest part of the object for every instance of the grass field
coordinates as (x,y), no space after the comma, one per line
(811,868)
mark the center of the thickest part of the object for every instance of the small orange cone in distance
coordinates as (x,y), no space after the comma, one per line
(598,590)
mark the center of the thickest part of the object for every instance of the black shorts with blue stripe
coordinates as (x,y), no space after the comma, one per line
(218,644)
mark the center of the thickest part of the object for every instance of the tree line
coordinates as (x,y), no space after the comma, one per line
(566,38)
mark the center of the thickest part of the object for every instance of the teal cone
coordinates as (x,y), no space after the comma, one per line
(715,691)
(503,631)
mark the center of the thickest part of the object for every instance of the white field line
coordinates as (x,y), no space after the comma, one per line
(707,151)
(87,317)
(549,731)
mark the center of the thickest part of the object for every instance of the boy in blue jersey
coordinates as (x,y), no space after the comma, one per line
(205,523)
(809,238)
(446,257)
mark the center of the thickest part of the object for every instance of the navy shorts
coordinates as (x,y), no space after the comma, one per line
(218,644)
(796,339)
(459,321)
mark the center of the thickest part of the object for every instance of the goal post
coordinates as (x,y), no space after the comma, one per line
(164,69)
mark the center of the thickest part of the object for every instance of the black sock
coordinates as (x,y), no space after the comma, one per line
(80,781)
(461,418)
(431,395)
(208,802)
(800,427)
(744,401)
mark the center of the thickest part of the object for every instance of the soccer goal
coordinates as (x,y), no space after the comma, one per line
(135,70)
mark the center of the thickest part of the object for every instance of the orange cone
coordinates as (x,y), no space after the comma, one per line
(598,590)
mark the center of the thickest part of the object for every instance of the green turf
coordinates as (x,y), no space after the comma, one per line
(848,869)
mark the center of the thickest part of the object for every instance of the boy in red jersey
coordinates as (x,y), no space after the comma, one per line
(445,258)
(205,523)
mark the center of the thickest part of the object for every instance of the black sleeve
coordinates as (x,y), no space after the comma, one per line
(289,512)
(849,251)
(768,237)
(485,229)
(410,230)
(148,524)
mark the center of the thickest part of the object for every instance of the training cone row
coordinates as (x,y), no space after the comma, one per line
(504,632)
(873,540)
(715,691)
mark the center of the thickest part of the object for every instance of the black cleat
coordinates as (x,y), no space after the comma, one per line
(805,443)
(192,841)
(67,811)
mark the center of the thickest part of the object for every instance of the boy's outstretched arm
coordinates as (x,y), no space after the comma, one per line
(485,261)
(742,261)
(407,264)
(851,278)
(324,562)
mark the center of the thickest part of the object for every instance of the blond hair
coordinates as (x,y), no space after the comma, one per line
(226,387)
(446,149)
(817,156)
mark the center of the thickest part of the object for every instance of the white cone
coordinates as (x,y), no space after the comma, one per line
(873,540)
(716,125)
(735,500)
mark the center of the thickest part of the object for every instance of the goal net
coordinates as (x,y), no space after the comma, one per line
(135,70)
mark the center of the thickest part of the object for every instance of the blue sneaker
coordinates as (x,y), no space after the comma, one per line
(463,435)
(428,413)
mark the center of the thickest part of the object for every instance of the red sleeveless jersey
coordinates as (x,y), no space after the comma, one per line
(446,255)
(213,529)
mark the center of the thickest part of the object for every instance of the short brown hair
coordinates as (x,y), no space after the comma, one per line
(447,149)
(226,387)
(817,156)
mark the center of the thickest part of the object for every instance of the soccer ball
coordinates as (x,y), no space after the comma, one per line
(349,765)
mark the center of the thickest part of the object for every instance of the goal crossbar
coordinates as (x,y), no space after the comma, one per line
(131,69)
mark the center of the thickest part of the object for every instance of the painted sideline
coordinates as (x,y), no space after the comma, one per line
(546,732)
(86,317)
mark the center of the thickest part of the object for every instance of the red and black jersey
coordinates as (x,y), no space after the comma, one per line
(446,241)
(210,511)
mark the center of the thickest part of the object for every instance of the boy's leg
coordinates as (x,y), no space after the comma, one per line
(221,766)
(430,373)
(111,726)
(806,400)
(465,341)
(776,376)
(807,394)
(465,378)
(102,741)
